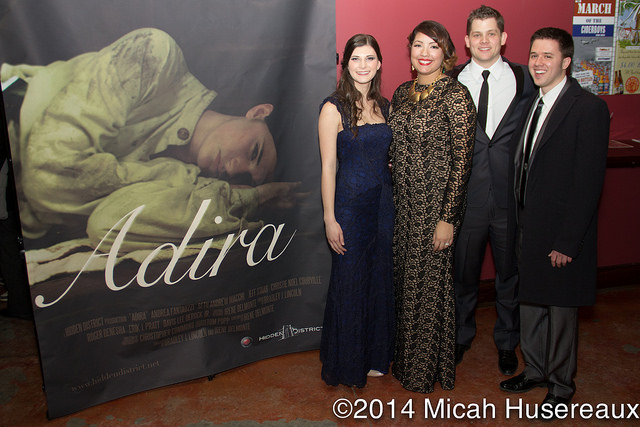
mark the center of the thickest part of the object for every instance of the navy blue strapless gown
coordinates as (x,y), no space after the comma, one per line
(359,322)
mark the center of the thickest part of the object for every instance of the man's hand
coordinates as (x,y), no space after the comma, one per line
(558,259)
(280,195)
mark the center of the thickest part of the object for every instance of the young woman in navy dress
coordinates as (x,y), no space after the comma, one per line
(359,323)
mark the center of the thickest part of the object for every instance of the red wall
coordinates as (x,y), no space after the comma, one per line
(391,21)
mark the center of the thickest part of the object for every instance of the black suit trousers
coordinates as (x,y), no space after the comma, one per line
(549,345)
(481,223)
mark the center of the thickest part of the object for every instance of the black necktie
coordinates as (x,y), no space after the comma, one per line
(483,100)
(526,150)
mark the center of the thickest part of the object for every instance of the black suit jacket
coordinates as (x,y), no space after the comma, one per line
(490,167)
(564,182)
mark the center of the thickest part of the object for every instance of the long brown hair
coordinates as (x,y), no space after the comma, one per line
(346,91)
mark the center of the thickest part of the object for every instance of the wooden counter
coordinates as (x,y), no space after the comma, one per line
(623,153)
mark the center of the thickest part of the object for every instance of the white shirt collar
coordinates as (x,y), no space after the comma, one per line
(496,69)
(551,96)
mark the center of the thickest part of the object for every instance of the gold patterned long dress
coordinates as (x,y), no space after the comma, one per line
(431,163)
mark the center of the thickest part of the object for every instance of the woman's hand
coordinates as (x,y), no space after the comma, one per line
(442,236)
(335,236)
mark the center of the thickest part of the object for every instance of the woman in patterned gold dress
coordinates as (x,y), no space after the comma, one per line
(433,120)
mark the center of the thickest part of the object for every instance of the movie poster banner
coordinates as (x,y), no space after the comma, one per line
(593,36)
(167,167)
(627,65)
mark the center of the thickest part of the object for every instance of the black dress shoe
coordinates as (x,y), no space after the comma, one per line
(507,361)
(520,384)
(548,406)
(460,350)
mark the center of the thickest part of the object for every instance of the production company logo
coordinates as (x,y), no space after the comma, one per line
(287,331)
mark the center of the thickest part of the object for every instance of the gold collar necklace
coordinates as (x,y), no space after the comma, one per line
(419,96)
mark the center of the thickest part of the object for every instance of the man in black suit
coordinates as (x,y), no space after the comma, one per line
(558,175)
(500,103)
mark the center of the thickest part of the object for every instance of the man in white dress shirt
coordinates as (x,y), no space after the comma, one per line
(559,163)
(500,103)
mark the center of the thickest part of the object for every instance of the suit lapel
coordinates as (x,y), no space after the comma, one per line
(523,127)
(519,75)
(558,112)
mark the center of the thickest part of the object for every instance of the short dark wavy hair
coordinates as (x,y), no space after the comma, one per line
(482,13)
(563,38)
(440,35)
